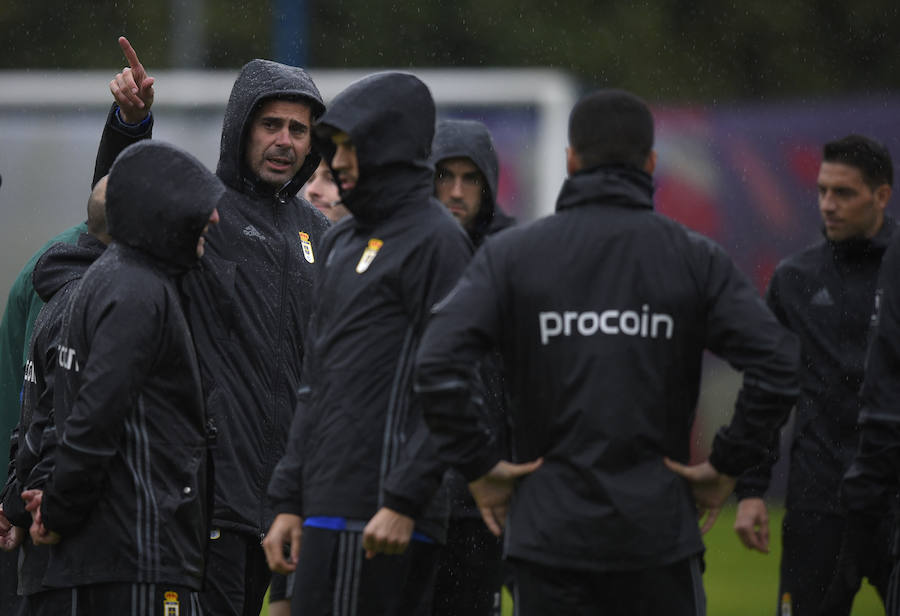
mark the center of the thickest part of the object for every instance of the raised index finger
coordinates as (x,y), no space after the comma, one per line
(130,53)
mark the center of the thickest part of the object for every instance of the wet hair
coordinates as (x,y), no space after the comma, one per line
(611,127)
(869,156)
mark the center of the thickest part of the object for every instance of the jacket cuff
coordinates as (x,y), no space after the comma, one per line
(403,505)
(292,507)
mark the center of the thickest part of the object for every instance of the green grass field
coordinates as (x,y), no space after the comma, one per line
(743,583)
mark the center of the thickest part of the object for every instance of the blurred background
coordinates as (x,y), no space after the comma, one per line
(744,95)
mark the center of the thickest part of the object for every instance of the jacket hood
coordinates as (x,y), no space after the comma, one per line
(472,140)
(390,120)
(609,184)
(159,199)
(62,263)
(260,80)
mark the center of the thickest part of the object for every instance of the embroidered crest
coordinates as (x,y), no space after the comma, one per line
(171,606)
(307,247)
(368,255)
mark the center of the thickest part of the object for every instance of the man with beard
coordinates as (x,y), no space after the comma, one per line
(250,302)
(126,506)
(602,340)
(359,473)
(466,174)
(471,573)
(825,294)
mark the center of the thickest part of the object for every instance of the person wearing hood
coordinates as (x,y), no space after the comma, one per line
(602,349)
(359,475)
(126,506)
(56,275)
(249,302)
(466,175)
(825,294)
(471,572)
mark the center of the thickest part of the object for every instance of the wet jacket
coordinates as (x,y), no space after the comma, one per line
(22,308)
(358,441)
(872,481)
(250,303)
(129,490)
(602,313)
(825,295)
(470,139)
(55,277)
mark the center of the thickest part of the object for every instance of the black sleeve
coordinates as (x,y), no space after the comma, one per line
(462,330)
(116,137)
(124,343)
(285,490)
(874,472)
(13,505)
(742,330)
(429,275)
(754,482)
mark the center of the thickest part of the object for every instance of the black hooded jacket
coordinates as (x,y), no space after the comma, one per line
(470,139)
(251,299)
(55,277)
(358,441)
(602,338)
(129,489)
(825,295)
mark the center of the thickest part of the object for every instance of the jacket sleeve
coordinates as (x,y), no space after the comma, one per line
(874,474)
(429,275)
(754,482)
(285,490)
(13,505)
(124,343)
(462,330)
(744,332)
(115,138)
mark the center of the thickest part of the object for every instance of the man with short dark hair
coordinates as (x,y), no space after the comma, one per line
(250,302)
(602,343)
(825,294)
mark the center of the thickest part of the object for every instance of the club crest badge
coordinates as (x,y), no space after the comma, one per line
(368,255)
(307,247)
(171,606)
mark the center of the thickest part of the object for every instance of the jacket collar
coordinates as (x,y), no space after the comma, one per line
(864,246)
(607,185)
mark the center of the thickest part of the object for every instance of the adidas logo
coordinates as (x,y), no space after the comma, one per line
(251,231)
(822,298)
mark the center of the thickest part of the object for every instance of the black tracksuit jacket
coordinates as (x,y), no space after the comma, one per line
(872,482)
(602,313)
(129,491)
(470,139)
(56,275)
(825,295)
(358,441)
(250,301)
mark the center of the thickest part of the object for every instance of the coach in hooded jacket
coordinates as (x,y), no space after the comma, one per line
(127,499)
(248,309)
(357,444)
